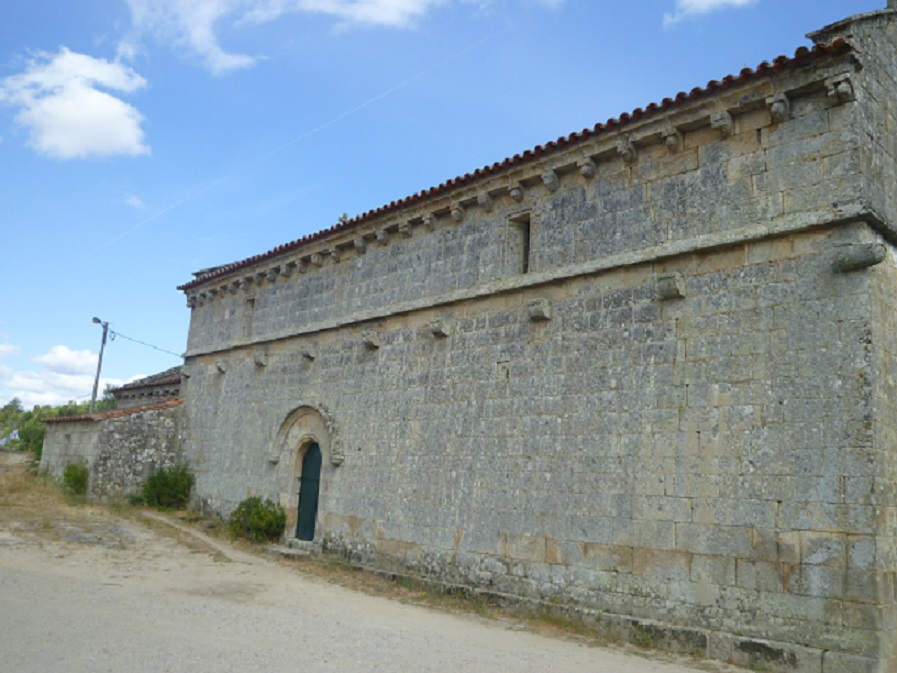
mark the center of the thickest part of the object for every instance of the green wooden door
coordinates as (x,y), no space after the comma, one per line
(309,485)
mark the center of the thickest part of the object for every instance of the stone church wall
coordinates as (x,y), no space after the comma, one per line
(649,373)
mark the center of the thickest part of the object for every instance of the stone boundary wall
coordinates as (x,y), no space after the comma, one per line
(132,447)
(120,452)
(68,442)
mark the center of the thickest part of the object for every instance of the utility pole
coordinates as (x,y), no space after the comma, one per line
(96,381)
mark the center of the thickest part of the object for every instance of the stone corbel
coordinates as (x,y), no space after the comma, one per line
(429,221)
(551,180)
(308,354)
(840,89)
(588,168)
(213,292)
(723,122)
(440,328)
(246,282)
(672,138)
(458,213)
(539,310)
(516,192)
(286,270)
(260,359)
(670,286)
(360,245)
(201,298)
(301,266)
(220,366)
(382,236)
(861,256)
(484,201)
(191,301)
(335,255)
(779,108)
(626,150)
(260,277)
(316,260)
(272,274)
(371,340)
(234,287)
(405,229)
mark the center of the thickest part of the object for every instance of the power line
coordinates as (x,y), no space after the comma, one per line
(114,335)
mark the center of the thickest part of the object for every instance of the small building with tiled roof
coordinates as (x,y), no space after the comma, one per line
(646,372)
(148,390)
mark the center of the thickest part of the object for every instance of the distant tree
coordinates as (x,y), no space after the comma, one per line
(24,430)
(107,402)
(13,406)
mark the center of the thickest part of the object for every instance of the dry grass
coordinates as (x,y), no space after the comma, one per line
(29,502)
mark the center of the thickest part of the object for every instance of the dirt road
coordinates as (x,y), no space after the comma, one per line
(84,590)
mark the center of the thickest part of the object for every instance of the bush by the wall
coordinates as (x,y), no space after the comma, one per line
(257,519)
(75,477)
(168,488)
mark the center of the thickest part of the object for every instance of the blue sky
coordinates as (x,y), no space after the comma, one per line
(141,140)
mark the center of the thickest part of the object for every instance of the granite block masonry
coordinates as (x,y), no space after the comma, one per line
(647,371)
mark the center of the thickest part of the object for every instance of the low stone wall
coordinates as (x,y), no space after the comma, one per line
(120,448)
(132,447)
(68,441)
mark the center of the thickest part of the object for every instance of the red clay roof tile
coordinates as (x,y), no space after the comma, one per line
(116,413)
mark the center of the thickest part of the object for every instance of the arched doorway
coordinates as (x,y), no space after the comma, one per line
(309,488)
(305,453)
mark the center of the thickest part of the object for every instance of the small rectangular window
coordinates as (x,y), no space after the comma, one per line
(519,233)
(248,313)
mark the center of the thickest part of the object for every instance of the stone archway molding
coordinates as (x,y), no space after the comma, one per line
(298,428)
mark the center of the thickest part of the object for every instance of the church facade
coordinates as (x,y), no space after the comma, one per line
(647,371)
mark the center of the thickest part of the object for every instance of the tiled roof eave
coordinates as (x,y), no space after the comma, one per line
(801,57)
(115,413)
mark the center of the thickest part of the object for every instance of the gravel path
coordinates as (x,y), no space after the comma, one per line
(120,597)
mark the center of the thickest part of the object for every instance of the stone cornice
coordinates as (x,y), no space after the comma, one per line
(576,160)
(785,225)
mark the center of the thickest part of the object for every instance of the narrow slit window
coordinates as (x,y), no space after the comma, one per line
(519,251)
(248,313)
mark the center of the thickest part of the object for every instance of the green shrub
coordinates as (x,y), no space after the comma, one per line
(168,488)
(75,477)
(258,520)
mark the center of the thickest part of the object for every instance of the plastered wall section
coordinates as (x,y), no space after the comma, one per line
(68,443)
(704,461)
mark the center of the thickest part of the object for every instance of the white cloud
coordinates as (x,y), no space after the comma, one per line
(9,349)
(48,387)
(394,13)
(66,111)
(192,23)
(135,202)
(63,360)
(689,8)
